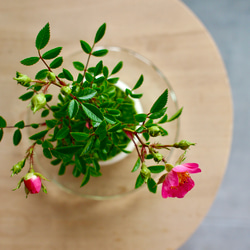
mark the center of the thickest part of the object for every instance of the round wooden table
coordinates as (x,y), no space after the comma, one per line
(167,33)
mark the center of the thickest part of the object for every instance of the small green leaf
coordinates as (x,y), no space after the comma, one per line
(98,68)
(117,68)
(34,125)
(52,53)
(136,96)
(115,127)
(176,115)
(101,52)
(137,165)
(89,77)
(86,178)
(113,80)
(45,113)
(114,112)
(42,74)
(141,117)
(30,60)
(156,169)
(88,145)
(68,149)
(68,75)
(3,123)
(158,114)
(1,134)
(139,181)
(152,186)
(48,97)
(160,102)
(43,37)
(51,123)
(19,125)
(105,71)
(62,133)
(47,144)
(17,137)
(26,96)
(39,135)
(139,82)
(100,33)
(85,47)
(56,63)
(92,112)
(78,65)
(163,119)
(73,108)
(62,169)
(88,93)
(79,136)
(47,153)
(101,131)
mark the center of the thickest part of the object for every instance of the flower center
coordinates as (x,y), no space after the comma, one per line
(183,177)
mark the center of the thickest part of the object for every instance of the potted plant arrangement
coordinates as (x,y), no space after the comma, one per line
(94,119)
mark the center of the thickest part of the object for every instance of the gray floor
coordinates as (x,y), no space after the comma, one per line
(227,225)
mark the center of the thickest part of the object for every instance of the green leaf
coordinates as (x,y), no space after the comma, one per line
(45,113)
(68,149)
(62,133)
(139,82)
(163,119)
(101,131)
(17,137)
(115,127)
(92,112)
(19,125)
(113,80)
(86,178)
(137,165)
(158,114)
(88,93)
(47,153)
(73,108)
(26,96)
(100,33)
(47,144)
(139,181)
(1,134)
(96,165)
(136,96)
(156,169)
(51,123)
(3,123)
(176,115)
(105,71)
(98,68)
(62,169)
(34,125)
(85,47)
(88,146)
(117,68)
(160,102)
(114,112)
(43,37)
(42,74)
(76,172)
(52,53)
(68,75)
(55,162)
(88,77)
(56,63)
(39,135)
(152,186)
(79,136)
(141,117)
(78,65)
(30,60)
(101,52)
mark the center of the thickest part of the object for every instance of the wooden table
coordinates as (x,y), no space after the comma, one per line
(167,33)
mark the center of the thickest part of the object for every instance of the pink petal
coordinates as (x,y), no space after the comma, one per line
(191,168)
(33,184)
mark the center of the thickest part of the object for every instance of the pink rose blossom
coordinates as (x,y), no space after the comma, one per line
(33,183)
(178,181)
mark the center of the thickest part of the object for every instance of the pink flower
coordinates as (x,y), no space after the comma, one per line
(32,183)
(178,181)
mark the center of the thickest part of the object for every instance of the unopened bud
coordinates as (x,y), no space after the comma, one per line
(37,102)
(145,172)
(66,90)
(158,157)
(18,167)
(183,144)
(154,131)
(32,183)
(24,80)
(51,76)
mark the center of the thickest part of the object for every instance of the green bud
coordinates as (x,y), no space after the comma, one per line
(18,167)
(22,79)
(169,167)
(37,102)
(51,76)
(183,144)
(66,90)
(154,131)
(145,172)
(158,157)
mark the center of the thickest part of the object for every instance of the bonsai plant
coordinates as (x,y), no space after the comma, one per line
(92,121)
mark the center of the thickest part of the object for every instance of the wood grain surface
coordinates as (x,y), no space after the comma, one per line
(167,33)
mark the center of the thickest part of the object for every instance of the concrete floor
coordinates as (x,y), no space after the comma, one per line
(227,225)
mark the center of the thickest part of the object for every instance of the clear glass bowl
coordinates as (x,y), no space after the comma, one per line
(117,179)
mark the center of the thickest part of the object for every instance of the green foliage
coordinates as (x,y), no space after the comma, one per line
(160,102)
(52,53)
(30,60)
(3,123)
(43,37)
(100,33)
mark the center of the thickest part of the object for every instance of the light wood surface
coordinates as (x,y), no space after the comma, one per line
(167,33)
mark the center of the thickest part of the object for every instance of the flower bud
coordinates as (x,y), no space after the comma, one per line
(183,144)
(18,167)
(154,131)
(66,90)
(145,172)
(158,157)
(37,102)
(22,79)
(51,76)
(32,183)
